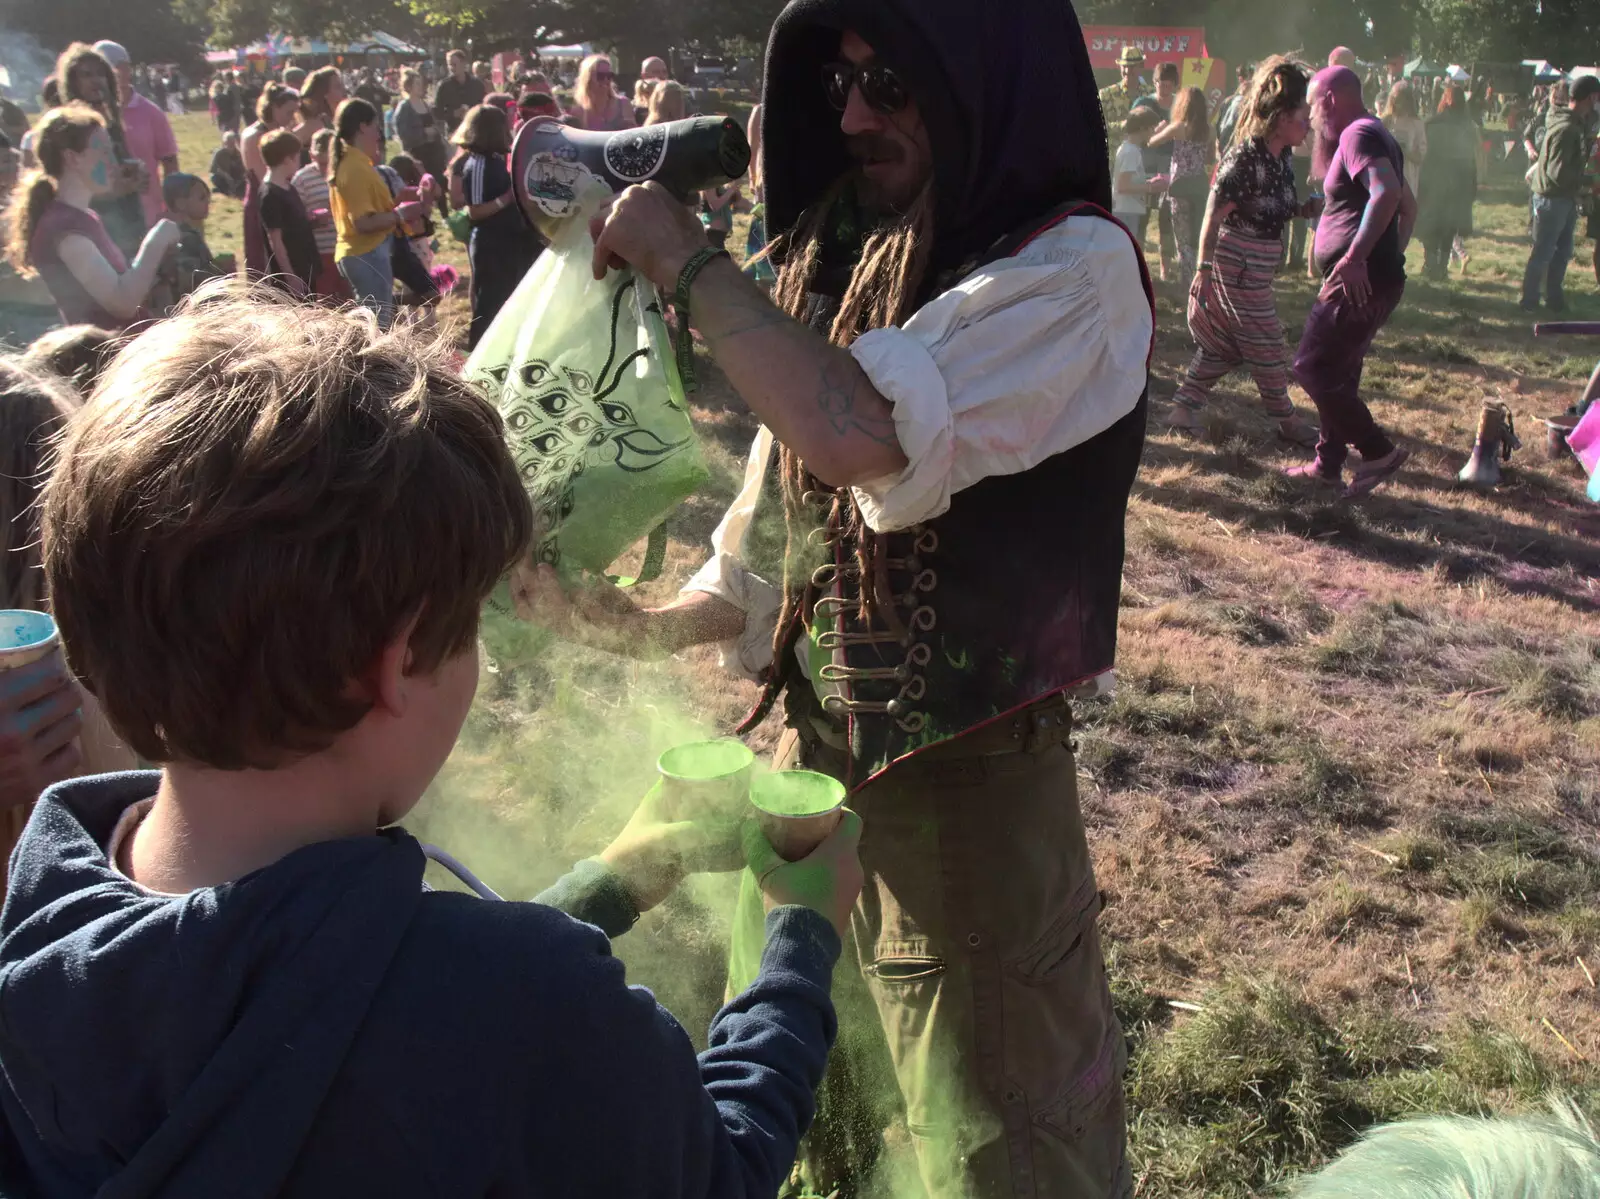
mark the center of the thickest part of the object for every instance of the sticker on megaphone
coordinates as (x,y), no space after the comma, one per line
(553,165)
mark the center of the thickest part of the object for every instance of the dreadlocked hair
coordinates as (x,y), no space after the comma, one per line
(882,291)
(70,67)
(1278,88)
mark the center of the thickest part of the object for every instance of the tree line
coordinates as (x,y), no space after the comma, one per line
(1461,31)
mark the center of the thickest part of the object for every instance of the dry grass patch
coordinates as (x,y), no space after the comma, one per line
(1344,800)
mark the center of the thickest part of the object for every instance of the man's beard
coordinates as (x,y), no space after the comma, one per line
(876,203)
(1323,147)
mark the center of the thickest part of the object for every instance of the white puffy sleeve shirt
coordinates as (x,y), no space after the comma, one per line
(1023,359)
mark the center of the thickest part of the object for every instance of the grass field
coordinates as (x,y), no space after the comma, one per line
(1344,805)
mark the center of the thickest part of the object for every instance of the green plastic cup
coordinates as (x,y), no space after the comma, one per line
(705,779)
(797,810)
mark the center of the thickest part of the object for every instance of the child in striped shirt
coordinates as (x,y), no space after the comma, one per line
(311,182)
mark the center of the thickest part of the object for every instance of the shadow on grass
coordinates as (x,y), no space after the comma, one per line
(1464,544)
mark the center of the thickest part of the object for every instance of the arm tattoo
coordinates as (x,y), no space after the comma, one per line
(840,383)
(746,317)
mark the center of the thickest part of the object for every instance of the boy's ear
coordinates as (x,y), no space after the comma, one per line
(387,678)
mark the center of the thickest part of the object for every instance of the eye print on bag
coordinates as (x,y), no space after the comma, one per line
(554,436)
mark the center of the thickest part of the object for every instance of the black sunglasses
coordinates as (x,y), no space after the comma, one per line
(880,87)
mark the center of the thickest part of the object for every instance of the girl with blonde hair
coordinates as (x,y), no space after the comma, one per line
(1401,116)
(596,105)
(668,102)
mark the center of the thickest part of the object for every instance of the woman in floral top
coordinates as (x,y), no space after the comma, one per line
(1232,314)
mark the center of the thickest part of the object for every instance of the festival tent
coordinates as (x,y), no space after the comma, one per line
(278,46)
(1457,74)
(1543,72)
(1577,71)
(1421,68)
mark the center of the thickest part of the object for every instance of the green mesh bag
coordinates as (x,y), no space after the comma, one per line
(584,375)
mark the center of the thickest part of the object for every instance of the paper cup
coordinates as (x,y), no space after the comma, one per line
(25,637)
(797,810)
(703,780)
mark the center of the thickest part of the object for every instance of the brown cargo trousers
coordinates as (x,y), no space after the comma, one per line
(978,1054)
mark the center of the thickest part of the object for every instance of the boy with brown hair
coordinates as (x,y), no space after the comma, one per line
(1131,186)
(190,263)
(292,256)
(267,543)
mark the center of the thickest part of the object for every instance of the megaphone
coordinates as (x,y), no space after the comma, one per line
(554,166)
(1497,437)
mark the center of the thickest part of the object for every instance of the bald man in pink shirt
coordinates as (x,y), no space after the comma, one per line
(148,132)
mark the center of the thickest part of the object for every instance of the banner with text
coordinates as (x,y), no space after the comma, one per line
(1160,43)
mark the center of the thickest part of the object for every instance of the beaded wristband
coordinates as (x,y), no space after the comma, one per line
(680,303)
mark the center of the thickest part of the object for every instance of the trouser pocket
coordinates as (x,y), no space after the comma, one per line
(1065,1057)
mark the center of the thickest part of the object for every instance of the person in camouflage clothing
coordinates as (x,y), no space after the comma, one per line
(1116,101)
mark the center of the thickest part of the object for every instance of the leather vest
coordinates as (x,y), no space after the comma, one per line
(1009,597)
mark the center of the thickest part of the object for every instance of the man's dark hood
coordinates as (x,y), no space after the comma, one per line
(1005,89)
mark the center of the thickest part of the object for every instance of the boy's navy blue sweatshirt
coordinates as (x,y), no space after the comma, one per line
(323,1027)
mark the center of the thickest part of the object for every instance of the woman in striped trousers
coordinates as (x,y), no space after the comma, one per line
(1233,316)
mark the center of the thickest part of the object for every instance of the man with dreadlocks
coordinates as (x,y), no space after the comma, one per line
(952,371)
(85,76)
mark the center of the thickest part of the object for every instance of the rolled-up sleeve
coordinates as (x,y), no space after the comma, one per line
(726,576)
(1020,361)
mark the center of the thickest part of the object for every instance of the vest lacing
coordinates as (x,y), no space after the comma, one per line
(905,631)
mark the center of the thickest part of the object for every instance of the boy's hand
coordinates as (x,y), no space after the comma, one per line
(652,856)
(829,881)
(39,724)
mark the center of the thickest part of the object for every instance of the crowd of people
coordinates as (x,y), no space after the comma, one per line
(339,174)
(267,538)
(1381,175)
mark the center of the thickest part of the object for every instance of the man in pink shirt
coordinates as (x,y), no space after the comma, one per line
(146,128)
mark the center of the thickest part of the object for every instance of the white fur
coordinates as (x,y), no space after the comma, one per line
(1458,1157)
